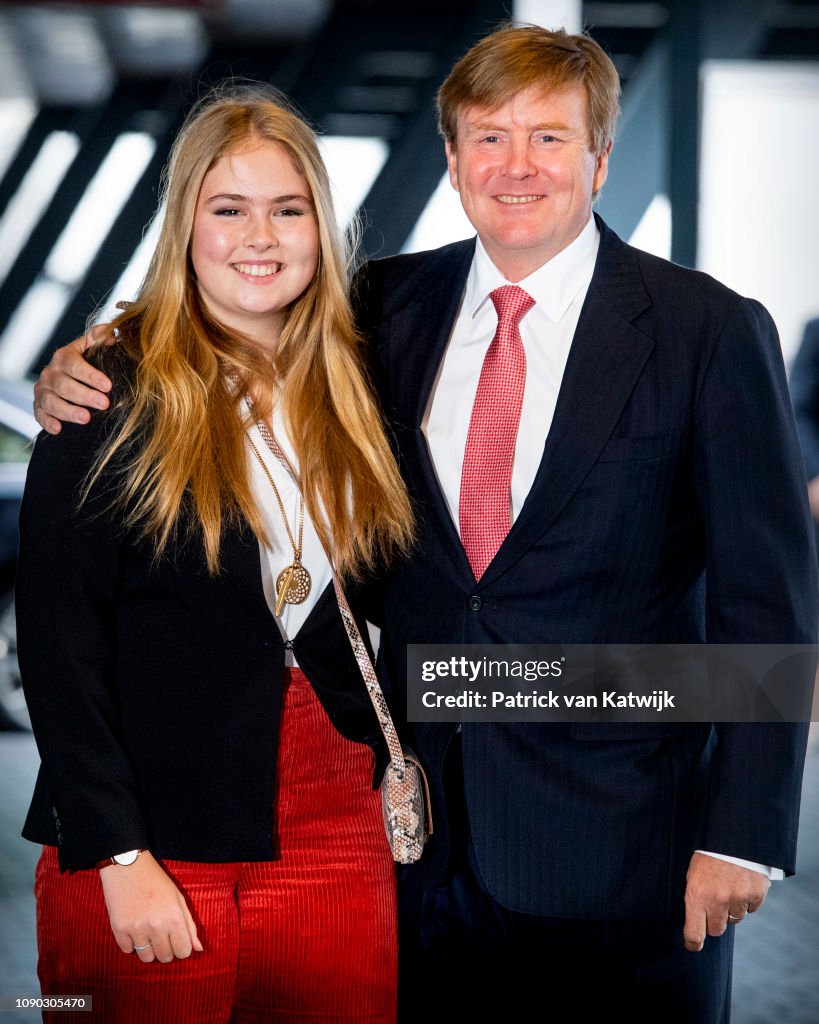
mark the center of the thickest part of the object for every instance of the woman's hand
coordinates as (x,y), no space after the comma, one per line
(145,908)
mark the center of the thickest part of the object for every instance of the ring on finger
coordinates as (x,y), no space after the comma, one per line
(139,949)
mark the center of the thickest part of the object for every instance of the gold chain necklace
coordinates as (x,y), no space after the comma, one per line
(293,582)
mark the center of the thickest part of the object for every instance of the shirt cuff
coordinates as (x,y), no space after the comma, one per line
(775,874)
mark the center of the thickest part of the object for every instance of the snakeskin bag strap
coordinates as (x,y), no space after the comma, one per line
(405,801)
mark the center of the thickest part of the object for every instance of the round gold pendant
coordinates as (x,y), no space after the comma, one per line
(297,581)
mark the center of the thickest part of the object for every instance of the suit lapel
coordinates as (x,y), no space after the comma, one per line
(418,331)
(421,329)
(607,357)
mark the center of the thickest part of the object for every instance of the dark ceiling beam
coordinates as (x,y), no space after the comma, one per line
(734,29)
(685,36)
(160,114)
(416,162)
(46,121)
(97,127)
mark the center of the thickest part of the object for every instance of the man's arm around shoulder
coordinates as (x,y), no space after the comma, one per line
(70,386)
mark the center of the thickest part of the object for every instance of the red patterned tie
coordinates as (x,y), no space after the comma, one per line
(484,513)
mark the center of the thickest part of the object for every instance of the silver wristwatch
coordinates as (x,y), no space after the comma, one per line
(123,859)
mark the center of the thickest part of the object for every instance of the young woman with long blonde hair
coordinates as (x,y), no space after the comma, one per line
(213,846)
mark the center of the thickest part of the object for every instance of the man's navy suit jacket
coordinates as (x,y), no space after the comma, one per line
(805,394)
(669,506)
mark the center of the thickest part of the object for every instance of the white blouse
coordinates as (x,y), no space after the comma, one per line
(280,554)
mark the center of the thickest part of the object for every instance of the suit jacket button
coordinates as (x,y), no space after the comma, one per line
(475,603)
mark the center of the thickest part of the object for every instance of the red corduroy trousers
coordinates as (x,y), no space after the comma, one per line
(308,937)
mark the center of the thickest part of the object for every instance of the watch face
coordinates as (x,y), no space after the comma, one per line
(125,858)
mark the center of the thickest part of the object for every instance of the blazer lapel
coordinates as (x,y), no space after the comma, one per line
(607,357)
(242,573)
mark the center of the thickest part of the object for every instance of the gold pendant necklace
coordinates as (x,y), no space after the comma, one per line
(293,582)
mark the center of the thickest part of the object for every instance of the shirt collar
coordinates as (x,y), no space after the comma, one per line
(553,286)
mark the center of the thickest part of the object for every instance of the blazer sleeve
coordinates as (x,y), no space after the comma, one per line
(67,596)
(804,380)
(761,581)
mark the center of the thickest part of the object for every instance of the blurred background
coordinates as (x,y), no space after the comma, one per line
(713,167)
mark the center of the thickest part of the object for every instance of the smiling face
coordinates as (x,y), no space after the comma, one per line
(526,174)
(255,241)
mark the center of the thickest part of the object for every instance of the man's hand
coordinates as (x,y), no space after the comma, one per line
(813,497)
(69,384)
(148,913)
(718,893)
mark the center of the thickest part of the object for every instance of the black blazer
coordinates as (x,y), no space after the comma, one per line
(155,689)
(669,506)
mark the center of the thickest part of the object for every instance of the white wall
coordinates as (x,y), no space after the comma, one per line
(759,203)
(566,14)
